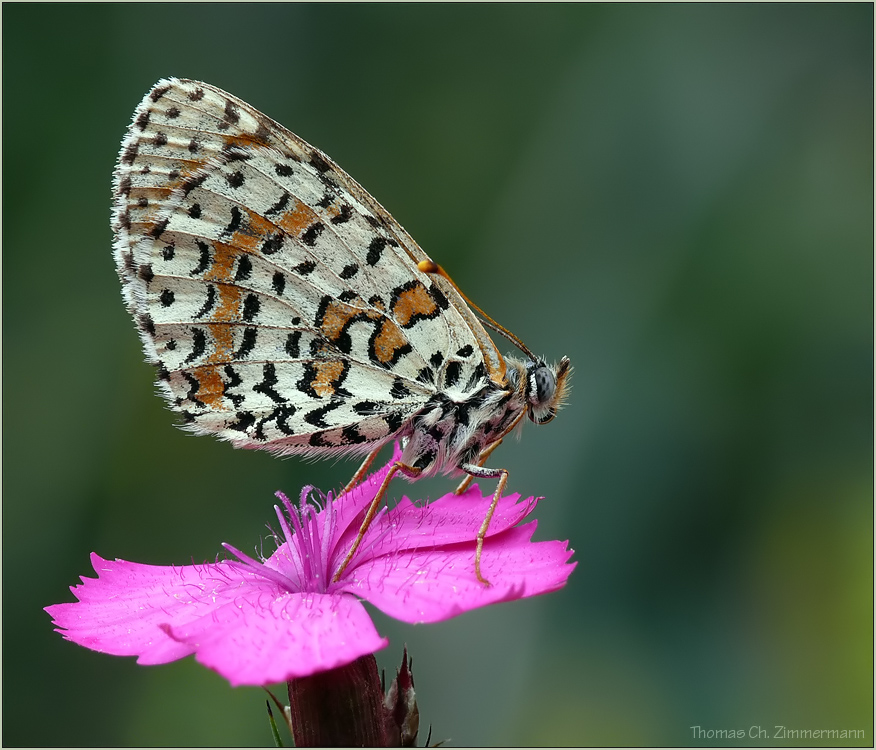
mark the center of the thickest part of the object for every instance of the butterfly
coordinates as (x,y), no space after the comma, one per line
(286,310)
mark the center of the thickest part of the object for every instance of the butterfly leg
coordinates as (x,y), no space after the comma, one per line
(475,470)
(361,471)
(485,454)
(398,466)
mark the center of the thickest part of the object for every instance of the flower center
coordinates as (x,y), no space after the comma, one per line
(300,563)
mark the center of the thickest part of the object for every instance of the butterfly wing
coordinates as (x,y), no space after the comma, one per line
(279,301)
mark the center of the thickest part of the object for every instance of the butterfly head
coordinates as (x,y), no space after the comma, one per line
(544,387)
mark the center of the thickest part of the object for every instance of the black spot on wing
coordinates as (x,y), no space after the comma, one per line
(251,306)
(304,268)
(272,243)
(244,420)
(194,387)
(158,229)
(351,436)
(292,344)
(316,417)
(192,182)
(230,117)
(365,408)
(375,250)
(281,204)
(158,92)
(233,381)
(269,380)
(399,389)
(236,221)
(439,297)
(208,303)
(320,440)
(130,154)
(146,323)
(232,152)
(278,283)
(312,232)
(247,344)
(244,269)
(278,416)
(199,345)
(452,373)
(345,214)
(204,259)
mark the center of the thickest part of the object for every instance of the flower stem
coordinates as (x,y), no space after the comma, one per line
(341,707)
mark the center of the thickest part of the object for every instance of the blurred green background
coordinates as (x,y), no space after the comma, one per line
(679,198)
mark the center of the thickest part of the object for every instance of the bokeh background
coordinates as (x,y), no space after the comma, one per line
(678,197)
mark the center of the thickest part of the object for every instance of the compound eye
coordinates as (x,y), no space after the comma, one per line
(544,385)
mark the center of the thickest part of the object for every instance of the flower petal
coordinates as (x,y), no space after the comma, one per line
(446,520)
(432,584)
(256,641)
(122,611)
(457,518)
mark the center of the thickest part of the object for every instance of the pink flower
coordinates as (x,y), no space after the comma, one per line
(259,622)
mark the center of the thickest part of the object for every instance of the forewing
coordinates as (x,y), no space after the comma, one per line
(281,304)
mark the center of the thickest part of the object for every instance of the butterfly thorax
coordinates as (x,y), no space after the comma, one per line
(455,428)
